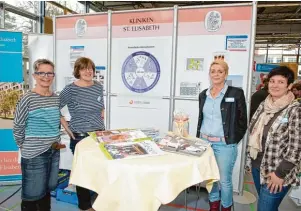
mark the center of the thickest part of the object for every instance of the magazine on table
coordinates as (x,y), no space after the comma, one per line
(119,136)
(181,145)
(128,150)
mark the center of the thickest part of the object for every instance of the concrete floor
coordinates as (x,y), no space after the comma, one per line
(13,204)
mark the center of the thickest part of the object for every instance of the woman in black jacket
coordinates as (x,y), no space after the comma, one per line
(222,122)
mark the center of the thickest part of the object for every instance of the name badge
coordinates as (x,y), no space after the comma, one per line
(229,99)
(284,120)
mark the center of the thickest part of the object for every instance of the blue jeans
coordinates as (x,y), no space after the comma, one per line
(40,174)
(267,201)
(225,156)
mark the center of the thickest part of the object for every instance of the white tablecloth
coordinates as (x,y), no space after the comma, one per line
(141,184)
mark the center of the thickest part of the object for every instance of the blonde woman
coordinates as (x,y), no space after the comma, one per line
(274,148)
(223,122)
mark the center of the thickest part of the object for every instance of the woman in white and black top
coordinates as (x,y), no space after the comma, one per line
(84,99)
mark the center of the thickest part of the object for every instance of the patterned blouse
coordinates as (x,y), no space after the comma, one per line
(283,143)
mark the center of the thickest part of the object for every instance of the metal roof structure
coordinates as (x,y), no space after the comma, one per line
(278,22)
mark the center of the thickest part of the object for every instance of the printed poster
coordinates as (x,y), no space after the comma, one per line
(237,42)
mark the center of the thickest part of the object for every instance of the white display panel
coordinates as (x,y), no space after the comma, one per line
(200,42)
(129,113)
(78,36)
(40,46)
(65,76)
(141,53)
(141,69)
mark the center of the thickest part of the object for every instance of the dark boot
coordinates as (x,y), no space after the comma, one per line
(214,206)
(226,209)
(44,204)
(29,206)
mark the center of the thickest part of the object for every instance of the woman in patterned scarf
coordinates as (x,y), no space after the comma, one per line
(274,149)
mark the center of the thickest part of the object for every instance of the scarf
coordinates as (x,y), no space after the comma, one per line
(270,108)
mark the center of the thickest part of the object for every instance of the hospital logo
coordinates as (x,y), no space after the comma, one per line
(81,27)
(213,21)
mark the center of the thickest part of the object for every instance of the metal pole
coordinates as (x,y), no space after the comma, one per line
(267,54)
(54,49)
(87,6)
(109,58)
(248,96)
(42,6)
(298,56)
(2,15)
(173,67)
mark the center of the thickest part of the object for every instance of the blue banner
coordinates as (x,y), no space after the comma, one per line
(11,88)
(11,69)
(265,67)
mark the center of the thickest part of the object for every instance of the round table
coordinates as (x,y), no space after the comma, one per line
(139,183)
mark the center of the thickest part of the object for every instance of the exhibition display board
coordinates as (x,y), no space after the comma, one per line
(141,69)
(158,60)
(11,88)
(220,33)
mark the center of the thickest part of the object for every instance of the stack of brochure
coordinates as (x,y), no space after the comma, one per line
(131,150)
(125,143)
(151,132)
(118,136)
(188,146)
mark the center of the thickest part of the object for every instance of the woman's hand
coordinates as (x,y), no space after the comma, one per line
(275,183)
(103,114)
(65,125)
(70,134)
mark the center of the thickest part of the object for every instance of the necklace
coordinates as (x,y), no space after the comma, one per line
(214,92)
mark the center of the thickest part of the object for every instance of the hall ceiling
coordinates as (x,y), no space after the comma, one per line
(278,22)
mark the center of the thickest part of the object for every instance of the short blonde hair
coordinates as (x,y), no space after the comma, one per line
(39,62)
(222,63)
(82,63)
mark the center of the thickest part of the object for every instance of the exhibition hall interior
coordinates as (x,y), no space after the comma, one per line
(150,105)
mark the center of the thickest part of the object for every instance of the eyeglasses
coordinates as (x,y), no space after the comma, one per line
(43,74)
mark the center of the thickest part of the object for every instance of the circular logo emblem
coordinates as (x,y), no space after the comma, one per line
(213,21)
(80,27)
(140,72)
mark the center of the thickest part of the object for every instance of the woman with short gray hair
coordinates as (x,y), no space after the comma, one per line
(37,134)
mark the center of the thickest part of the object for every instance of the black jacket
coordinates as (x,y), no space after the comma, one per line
(256,99)
(234,114)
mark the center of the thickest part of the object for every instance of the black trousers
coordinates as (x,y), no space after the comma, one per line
(83,194)
(43,204)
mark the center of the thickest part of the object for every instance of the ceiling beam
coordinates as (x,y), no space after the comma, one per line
(283,42)
(278,15)
(291,4)
(279,28)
